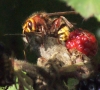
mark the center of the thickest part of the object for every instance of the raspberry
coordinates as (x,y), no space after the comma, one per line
(83,41)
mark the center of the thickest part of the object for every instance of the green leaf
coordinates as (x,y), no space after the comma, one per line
(72,82)
(86,8)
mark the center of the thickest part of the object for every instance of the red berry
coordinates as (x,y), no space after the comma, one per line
(83,41)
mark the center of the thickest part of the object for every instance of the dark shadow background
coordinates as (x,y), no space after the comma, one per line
(14,12)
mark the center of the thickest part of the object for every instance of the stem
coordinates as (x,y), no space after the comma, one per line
(61,13)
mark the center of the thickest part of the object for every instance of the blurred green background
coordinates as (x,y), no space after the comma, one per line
(14,12)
